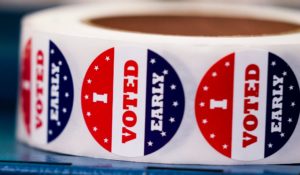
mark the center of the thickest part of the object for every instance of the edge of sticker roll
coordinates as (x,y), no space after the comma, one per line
(97,92)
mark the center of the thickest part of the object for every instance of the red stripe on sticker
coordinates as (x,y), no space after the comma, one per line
(25,85)
(97,97)
(214,103)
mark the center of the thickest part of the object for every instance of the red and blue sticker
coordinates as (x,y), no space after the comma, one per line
(46,91)
(132,101)
(247,105)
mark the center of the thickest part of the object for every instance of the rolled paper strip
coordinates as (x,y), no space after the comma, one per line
(180,83)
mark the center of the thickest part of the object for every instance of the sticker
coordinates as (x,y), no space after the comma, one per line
(132,101)
(52,90)
(247,105)
(25,85)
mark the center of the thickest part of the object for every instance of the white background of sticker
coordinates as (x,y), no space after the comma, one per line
(243,59)
(135,147)
(39,135)
(81,45)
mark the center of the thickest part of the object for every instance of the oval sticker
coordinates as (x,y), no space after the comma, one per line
(247,105)
(132,101)
(51,91)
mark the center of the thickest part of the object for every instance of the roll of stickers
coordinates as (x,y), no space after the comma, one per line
(180,83)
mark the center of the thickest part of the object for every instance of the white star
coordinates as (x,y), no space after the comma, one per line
(150,143)
(293,104)
(172,119)
(39,107)
(212,135)
(202,104)
(270,145)
(95,129)
(225,146)
(165,72)
(88,114)
(96,68)
(89,81)
(273,63)
(50,132)
(86,97)
(290,120)
(58,123)
(291,87)
(67,94)
(52,51)
(107,58)
(152,61)
(284,73)
(173,86)
(26,85)
(163,134)
(105,140)
(282,134)
(214,74)
(175,103)
(204,121)
(40,57)
(205,88)
(60,63)
(64,110)
(65,78)
(227,64)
